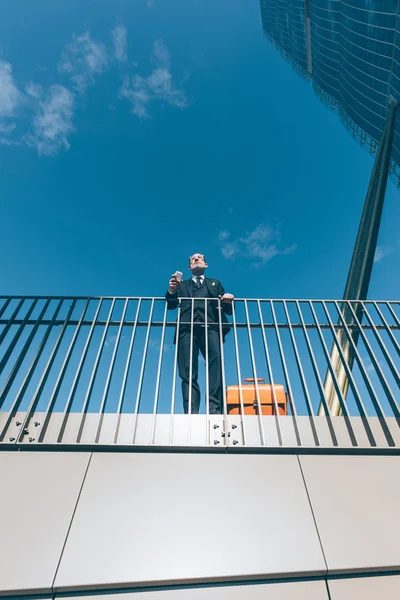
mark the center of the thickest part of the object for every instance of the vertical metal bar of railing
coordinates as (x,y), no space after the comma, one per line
(207,375)
(61,374)
(254,369)
(189,412)
(38,354)
(14,371)
(302,377)
(287,378)
(222,366)
(387,327)
(157,390)
(78,374)
(177,336)
(42,382)
(4,307)
(126,373)
(28,376)
(93,374)
(377,367)
(18,334)
(271,377)
(357,396)
(110,372)
(239,374)
(345,412)
(10,322)
(141,376)
(317,376)
(383,348)
(207,392)
(395,318)
(367,381)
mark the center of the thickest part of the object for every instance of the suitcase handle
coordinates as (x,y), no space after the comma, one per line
(252,380)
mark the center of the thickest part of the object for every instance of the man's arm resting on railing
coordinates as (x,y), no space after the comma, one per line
(226,300)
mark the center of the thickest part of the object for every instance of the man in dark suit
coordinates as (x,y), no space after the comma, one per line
(199,286)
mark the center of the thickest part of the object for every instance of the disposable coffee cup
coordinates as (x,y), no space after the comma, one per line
(178,275)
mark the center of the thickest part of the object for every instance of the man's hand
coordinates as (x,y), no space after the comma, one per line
(228,298)
(173,284)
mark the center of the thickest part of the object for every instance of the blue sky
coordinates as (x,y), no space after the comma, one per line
(134,133)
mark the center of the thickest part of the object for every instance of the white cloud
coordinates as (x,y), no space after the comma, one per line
(289,250)
(159,85)
(53,122)
(368,364)
(82,59)
(7,128)
(50,114)
(260,245)
(7,142)
(379,254)
(123,339)
(223,235)
(137,97)
(161,54)
(10,96)
(156,345)
(119,34)
(383,251)
(229,249)
(33,89)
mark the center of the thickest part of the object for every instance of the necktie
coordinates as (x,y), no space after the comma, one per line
(198,281)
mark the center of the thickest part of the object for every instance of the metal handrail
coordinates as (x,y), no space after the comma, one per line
(103,370)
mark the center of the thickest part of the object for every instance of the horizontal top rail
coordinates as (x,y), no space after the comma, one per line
(33,297)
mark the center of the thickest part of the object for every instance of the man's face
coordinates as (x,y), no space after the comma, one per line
(197,264)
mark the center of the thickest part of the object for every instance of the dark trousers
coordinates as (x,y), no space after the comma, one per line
(214,367)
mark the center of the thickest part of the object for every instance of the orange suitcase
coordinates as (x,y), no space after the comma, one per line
(249,395)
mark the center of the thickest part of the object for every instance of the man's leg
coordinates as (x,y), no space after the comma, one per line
(214,370)
(184,370)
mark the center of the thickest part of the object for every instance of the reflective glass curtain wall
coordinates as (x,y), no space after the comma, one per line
(354,58)
(284,25)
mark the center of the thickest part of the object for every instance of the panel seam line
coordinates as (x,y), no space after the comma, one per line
(313,515)
(70,524)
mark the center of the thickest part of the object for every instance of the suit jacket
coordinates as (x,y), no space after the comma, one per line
(215,289)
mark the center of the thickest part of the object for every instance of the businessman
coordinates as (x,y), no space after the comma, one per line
(201,287)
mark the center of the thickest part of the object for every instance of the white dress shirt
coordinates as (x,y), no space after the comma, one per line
(201,279)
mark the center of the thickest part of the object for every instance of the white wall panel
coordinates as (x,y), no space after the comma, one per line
(151,518)
(39,491)
(356,502)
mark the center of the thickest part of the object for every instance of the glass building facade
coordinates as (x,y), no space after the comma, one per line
(350,49)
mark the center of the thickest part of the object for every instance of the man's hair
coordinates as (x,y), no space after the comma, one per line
(190,257)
